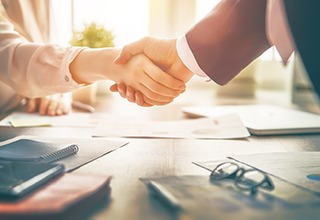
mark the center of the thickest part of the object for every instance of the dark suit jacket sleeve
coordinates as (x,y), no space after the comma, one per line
(229,38)
(304,21)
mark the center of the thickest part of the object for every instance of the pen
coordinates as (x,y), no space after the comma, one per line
(82,106)
(164,194)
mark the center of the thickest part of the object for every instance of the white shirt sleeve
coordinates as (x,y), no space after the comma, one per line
(277,28)
(33,69)
(187,57)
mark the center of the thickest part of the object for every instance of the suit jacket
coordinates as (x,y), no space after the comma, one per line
(304,21)
(233,34)
(229,38)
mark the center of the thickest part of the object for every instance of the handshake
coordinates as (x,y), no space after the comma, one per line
(160,77)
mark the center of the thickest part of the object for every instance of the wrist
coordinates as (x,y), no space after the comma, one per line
(92,65)
(180,68)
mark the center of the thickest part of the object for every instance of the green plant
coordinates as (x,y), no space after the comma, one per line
(93,36)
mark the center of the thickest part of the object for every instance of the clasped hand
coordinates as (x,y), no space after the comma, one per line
(163,54)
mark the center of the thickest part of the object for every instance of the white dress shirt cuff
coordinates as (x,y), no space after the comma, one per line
(278,30)
(187,57)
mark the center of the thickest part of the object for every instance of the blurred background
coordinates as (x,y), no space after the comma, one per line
(131,20)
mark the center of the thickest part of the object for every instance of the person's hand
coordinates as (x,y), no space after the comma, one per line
(140,74)
(160,51)
(163,53)
(53,105)
(130,94)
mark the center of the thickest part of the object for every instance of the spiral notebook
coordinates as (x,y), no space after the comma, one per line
(25,150)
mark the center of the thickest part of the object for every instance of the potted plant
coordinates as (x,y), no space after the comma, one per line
(93,36)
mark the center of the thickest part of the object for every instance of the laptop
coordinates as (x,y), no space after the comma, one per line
(263,119)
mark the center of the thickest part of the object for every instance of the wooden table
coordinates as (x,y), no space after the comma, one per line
(159,157)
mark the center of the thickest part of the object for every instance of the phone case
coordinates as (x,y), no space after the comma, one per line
(20,178)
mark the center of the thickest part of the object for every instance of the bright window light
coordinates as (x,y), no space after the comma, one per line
(203,7)
(128,20)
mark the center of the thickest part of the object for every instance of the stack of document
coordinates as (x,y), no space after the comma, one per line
(296,195)
(263,119)
(222,127)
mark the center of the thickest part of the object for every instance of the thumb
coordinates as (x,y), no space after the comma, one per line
(130,50)
(123,57)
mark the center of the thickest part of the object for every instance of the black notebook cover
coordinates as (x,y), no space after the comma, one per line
(25,150)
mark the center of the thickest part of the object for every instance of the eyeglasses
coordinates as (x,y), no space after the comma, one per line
(244,179)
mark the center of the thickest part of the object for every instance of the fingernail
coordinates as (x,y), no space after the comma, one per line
(117,60)
(59,112)
(121,90)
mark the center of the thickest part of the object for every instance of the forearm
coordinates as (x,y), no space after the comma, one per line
(35,70)
(232,36)
(92,65)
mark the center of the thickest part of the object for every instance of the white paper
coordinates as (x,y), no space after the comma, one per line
(22,119)
(288,171)
(223,127)
(263,119)
(295,167)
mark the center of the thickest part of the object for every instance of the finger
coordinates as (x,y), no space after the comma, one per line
(156,91)
(130,50)
(152,102)
(53,108)
(137,97)
(140,100)
(32,105)
(64,109)
(155,80)
(152,95)
(114,88)
(122,88)
(58,110)
(130,94)
(151,88)
(169,82)
(156,102)
(131,97)
(43,106)
(62,106)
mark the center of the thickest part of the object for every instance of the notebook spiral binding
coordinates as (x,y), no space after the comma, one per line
(60,154)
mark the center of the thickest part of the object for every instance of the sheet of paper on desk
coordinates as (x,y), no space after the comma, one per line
(284,189)
(223,127)
(22,119)
(196,197)
(300,168)
(89,148)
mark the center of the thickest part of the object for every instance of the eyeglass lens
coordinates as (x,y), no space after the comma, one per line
(244,179)
(224,171)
